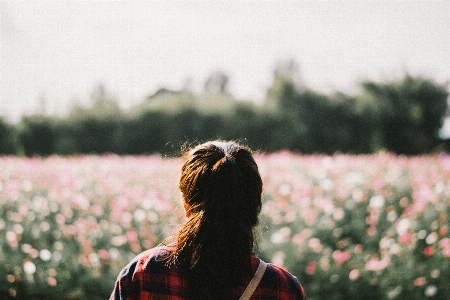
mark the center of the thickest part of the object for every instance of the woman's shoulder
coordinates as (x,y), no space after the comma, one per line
(283,282)
(283,276)
(156,254)
(149,275)
(149,259)
(281,271)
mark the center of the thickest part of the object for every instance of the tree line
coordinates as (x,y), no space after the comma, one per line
(402,116)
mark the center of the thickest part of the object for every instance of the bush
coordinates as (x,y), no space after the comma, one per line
(8,143)
(37,135)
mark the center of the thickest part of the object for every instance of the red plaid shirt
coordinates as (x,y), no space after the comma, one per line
(147,277)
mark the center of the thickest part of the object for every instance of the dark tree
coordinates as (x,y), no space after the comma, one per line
(410,113)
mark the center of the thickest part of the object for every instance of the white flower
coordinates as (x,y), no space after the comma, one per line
(385,243)
(391,216)
(113,253)
(376,201)
(392,294)
(284,189)
(354,178)
(93,258)
(281,236)
(395,249)
(139,215)
(27,186)
(431,238)
(29,267)
(327,184)
(430,291)
(45,255)
(403,226)
(422,234)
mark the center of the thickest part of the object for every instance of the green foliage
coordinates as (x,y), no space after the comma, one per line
(401,116)
(319,123)
(409,113)
(37,135)
(90,130)
(166,101)
(142,134)
(8,143)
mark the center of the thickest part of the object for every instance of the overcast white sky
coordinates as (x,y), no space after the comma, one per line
(60,50)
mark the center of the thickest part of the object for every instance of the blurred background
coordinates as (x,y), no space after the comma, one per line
(139,77)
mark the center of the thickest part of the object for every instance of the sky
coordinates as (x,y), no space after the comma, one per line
(57,52)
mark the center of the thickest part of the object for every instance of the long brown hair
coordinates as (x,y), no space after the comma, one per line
(222,186)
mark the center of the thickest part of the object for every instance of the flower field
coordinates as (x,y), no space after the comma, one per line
(349,227)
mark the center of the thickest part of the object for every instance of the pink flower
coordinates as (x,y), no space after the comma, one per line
(405,238)
(132,236)
(135,247)
(377,265)
(428,251)
(12,189)
(80,202)
(12,292)
(443,231)
(338,214)
(446,252)
(311,268)
(103,254)
(315,245)
(51,281)
(424,194)
(341,256)
(420,281)
(97,210)
(358,249)
(297,239)
(444,243)
(354,274)
(118,240)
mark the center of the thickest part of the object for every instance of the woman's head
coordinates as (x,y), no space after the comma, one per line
(221,180)
(221,188)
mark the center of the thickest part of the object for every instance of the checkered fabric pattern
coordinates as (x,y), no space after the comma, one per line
(147,277)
